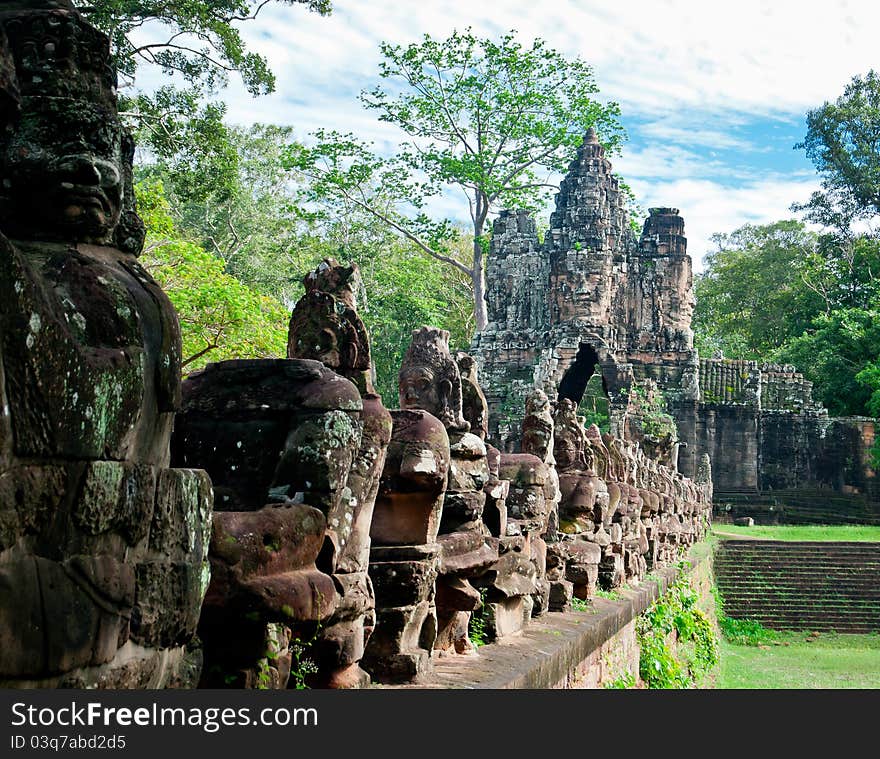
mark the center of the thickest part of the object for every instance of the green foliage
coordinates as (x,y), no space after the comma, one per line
(623,682)
(219,316)
(494,113)
(478,623)
(249,217)
(253,225)
(402,294)
(608,595)
(197,44)
(579,604)
(594,405)
(676,612)
(651,408)
(842,142)
(198,40)
(839,354)
(302,664)
(780,292)
(742,632)
(752,296)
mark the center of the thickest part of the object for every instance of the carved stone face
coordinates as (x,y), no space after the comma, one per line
(429,378)
(61,164)
(420,390)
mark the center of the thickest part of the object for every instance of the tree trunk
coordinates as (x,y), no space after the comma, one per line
(478,279)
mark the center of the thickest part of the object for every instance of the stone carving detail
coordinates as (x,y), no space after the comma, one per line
(405,555)
(278,438)
(590,286)
(327,318)
(430,379)
(95,529)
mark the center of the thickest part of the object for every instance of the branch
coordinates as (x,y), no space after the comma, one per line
(255,14)
(197,356)
(406,233)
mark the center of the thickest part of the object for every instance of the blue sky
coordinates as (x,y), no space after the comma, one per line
(713,94)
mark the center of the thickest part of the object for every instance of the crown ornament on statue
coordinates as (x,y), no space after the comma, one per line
(57,53)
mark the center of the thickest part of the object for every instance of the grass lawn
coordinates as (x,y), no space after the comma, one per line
(826,661)
(858,533)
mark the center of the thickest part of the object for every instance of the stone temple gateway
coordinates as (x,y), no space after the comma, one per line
(594,298)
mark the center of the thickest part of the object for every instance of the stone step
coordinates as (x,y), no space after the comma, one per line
(827,580)
(801,606)
(770,620)
(796,613)
(801,585)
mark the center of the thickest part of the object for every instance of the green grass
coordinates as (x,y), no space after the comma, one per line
(797,660)
(854,533)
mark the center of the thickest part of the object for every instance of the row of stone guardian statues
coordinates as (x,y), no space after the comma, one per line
(223,530)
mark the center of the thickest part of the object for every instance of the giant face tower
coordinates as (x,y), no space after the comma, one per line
(590,298)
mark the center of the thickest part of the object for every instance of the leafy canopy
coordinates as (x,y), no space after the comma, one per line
(220,317)
(196,39)
(843,142)
(197,44)
(754,293)
(489,116)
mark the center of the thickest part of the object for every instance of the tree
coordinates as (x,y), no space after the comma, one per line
(252,240)
(840,354)
(199,43)
(843,142)
(758,289)
(220,317)
(196,39)
(492,119)
(249,217)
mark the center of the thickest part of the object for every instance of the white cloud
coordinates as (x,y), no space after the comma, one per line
(709,207)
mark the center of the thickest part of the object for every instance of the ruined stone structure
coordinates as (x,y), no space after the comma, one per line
(461,530)
(102,545)
(305,524)
(593,298)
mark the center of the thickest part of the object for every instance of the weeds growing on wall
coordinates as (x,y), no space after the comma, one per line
(579,604)
(678,642)
(478,622)
(624,682)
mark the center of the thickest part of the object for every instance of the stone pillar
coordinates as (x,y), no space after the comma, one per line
(102,546)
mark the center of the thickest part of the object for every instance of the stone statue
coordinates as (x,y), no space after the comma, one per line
(474,407)
(279,438)
(97,531)
(325,326)
(405,555)
(430,379)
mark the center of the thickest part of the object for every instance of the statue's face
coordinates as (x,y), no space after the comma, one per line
(566,451)
(61,168)
(537,440)
(419,390)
